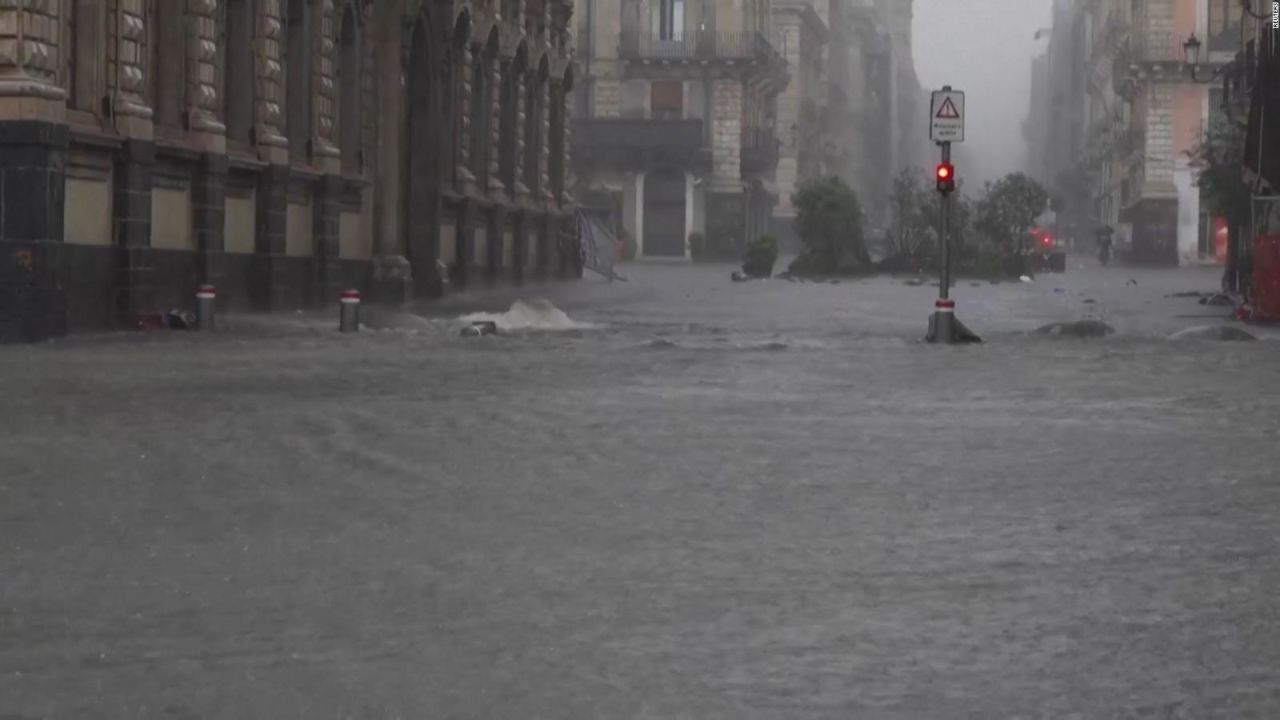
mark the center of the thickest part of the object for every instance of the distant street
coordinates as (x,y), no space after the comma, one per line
(708,500)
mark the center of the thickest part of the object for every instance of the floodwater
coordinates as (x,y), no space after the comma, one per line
(681,498)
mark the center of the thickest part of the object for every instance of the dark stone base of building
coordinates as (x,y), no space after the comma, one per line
(50,289)
(1155,232)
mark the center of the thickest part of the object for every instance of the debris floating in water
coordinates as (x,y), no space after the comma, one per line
(1221,333)
(480,328)
(534,314)
(1077,328)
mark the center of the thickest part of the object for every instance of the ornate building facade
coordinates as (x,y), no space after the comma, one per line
(676,121)
(280,150)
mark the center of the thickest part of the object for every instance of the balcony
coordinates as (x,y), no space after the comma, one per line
(1158,57)
(640,143)
(648,49)
(1158,48)
(759,150)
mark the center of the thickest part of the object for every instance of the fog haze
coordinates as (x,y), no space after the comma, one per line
(985,48)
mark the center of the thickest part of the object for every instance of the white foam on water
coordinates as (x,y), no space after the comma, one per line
(534,314)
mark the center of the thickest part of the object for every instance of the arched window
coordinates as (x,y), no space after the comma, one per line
(168,64)
(84,57)
(456,101)
(349,106)
(533,129)
(298,79)
(507,128)
(559,91)
(237,74)
(481,122)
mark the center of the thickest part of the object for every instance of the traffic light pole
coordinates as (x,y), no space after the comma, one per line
(944,326)
(945,237)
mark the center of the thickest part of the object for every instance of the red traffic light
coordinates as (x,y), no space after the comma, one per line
(946,175)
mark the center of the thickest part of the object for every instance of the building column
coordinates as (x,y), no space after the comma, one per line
(208,211)
(384,32)
(495,244)
(33,149)
(726,209)
(131,220)
(326,207)
(269,285)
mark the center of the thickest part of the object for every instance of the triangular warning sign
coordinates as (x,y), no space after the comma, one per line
(947,111)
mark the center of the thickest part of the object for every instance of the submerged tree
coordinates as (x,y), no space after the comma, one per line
(1007,212)
(915,209)
(829,222)
(1225,191)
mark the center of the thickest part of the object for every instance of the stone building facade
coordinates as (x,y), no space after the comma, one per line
(278,149)
(875,99)
(1125,115)
(675,127)
(802,32)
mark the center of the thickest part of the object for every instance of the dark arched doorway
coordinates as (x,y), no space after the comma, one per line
(664,213)
(423,169)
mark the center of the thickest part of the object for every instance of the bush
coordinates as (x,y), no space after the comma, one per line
(760,257)
(829,224)
(697,243)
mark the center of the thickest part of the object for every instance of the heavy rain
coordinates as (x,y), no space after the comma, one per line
(637,359)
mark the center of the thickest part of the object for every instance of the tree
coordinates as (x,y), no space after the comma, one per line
(829,222)
(1224,190)
(1006,213)
(909,221)
(915,209)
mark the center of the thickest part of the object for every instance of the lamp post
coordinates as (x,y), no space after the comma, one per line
(1228,71)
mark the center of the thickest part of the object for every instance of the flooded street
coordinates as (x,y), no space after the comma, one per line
(698,499)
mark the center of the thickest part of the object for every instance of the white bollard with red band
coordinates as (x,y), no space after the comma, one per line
(206,295)
(349,317)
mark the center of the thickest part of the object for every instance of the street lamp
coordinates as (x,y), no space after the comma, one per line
(1227,71)
(1191,52)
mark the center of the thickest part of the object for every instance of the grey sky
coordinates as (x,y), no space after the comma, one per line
(983,47)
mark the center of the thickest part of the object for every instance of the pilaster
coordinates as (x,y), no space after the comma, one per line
(326,207)
(208,214)
(269,75)
(495,126)
(544,144)
(269,283)
(521,191)
(202,94)
(128,58)
(465,179)
(325,153)
(131,220)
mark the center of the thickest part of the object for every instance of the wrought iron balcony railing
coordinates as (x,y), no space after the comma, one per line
(1157,47)
(698,45)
